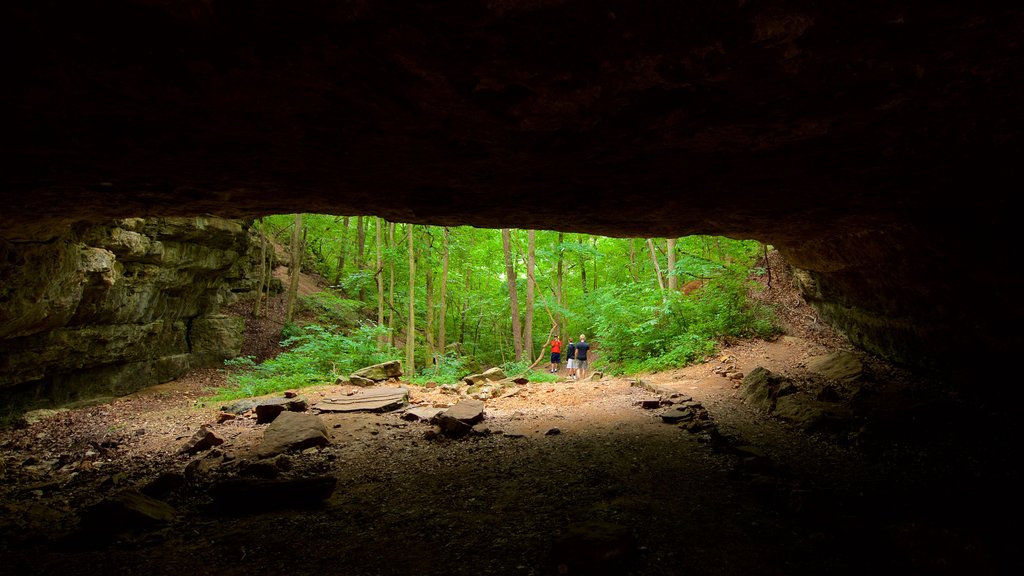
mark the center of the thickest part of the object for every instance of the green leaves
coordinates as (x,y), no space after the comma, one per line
(604,287)
(639,332)
(316,355)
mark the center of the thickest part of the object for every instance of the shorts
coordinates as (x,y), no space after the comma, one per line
(556,357)
(570,363)
(581,364)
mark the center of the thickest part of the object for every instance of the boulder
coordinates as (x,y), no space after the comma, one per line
(293,431)
(378,372)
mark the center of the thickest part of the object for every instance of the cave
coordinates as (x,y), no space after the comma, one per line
(874,145)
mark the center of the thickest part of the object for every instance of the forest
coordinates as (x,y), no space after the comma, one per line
(450,301)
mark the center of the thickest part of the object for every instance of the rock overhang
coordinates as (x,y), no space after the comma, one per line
(871,143)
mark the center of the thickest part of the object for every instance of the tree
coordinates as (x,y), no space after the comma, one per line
(531,261)
(428,277)
(391,282)
(261,272)
(559,294)
(342,249)
(632,261)
(410,330)
(296,266)
(513,295)
(657,268)
(583,265)
(465,305)
(673,278)
(444,291)
(379,275)
(360,248)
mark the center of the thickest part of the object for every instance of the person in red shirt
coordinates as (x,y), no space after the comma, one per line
(556,355)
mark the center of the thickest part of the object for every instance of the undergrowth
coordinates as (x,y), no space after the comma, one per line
(314,355)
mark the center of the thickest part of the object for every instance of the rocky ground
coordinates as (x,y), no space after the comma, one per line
(563,478)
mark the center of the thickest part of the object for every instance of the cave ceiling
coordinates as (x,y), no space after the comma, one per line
(887,129)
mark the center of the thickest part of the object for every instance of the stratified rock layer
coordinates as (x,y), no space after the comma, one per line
(105,310)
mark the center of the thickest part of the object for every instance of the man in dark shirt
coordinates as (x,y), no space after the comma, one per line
(570,360)
(581,357)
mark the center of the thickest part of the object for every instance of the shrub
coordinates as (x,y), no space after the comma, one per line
(643,329)
(315,355)
(331,309)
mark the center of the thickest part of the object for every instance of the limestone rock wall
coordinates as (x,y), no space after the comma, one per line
(103,310)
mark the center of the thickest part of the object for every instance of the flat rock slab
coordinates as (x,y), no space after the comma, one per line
(424,413)
(367,400)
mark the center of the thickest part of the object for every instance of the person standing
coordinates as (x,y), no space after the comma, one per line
(570,360)
(556,350)
(581,357)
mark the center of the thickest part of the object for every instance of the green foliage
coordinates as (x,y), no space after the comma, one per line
(632,324)
(316,355)
(356,281)
(331,309)
(290,331)
(522,367)
(639,331)
(450,369)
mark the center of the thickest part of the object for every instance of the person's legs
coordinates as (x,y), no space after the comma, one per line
(581,369)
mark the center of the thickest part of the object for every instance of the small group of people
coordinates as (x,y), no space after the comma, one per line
(575,357)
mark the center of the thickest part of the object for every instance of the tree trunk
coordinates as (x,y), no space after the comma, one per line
(410,329)
(559,296)
(465,305)
(594,239)
(262,271)
(380,279)
(296,267)
(513,296)
(444,294)
(583,265)
(428,274)
(476,336)
(673,278)
(360,260)
(657,268)
(391,284)
(632,260)
(342,249)
(531,261)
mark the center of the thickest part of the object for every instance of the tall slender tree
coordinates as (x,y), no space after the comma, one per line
(342,250)
(261,272)
(465,305)
(360,256)
(513,295)
(392,252)
(379,275)
(559,294)
(428,282)
(593,239)
(296,267)
(443,314)
(670,249)
(410,329)
(657,267)
(531,261)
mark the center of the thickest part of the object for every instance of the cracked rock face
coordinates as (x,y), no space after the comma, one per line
(871,143)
